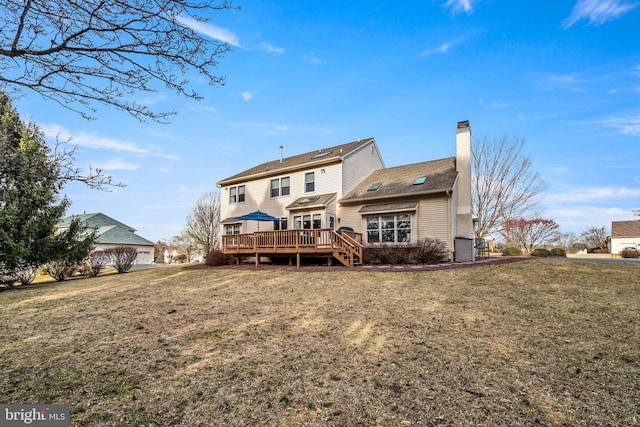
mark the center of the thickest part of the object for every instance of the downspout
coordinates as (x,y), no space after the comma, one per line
(449,230)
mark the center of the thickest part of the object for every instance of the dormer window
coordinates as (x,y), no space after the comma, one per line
(420,180)
(374,186)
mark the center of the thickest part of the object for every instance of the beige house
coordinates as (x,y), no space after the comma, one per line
(303,190)
(625,234)
(349,186)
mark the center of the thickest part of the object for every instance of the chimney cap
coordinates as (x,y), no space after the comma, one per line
(463,124)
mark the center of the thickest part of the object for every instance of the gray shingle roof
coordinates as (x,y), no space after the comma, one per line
(94,220)
(625,228)
(317,157)
(107,229)
(399,181)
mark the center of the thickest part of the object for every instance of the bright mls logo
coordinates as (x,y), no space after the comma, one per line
(34,415)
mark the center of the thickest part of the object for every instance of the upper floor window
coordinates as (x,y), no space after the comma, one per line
(309,182)
(280,187)
(236,194)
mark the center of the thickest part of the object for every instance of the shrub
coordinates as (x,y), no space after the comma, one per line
(541,252)
(59,269)
(94,263)
(429,251)
(512,251)
(216,257)
(122,258)
(630,253)
(558,252)
(386,254)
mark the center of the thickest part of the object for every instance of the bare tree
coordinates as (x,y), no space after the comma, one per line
(203,224)
(595,237)
(186,243)
(529,233)
(503,184)
(77,52)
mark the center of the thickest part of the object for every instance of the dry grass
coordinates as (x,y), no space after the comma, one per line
(548,342)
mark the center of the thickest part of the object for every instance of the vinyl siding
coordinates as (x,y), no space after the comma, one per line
(258,196)
(359,165)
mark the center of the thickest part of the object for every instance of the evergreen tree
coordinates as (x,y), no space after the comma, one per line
(30,203)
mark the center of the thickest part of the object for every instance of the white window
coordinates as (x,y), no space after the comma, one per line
(236,194)
(281,225)
(232,229)
(391,228)
(280,187)
(307,221)
(309,182)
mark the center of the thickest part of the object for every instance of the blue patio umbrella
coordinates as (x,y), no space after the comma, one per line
(257,216)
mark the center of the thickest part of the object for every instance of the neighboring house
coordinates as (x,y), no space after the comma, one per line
(625,234)
(349,186)
(172,253)
(111,233)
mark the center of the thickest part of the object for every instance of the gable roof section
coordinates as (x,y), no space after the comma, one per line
(625,229)
(107,229)
(94,220)
(114,235)
(306,160)
(399,181)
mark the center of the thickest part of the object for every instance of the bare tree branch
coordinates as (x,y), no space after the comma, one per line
(503,184)
(203,224)
(79,52)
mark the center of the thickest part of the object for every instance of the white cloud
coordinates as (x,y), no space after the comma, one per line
(311,59)
(117,164)
(593,194)
(247,95)
(97,142)
(598,11)
(92,141)
(624,125)
(552,81)
(457,5)
(443,48)
(210,30)
(498,105)
(271,49)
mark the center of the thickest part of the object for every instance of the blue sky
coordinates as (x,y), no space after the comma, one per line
(564,76)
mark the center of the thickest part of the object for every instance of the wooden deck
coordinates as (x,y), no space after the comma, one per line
(345,247)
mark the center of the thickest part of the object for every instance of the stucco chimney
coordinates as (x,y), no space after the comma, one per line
(464,219)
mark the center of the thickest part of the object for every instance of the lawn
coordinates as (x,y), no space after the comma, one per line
(535,342)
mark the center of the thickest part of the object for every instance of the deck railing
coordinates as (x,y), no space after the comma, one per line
(321,241)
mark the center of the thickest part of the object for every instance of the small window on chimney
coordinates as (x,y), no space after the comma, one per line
(420,180)
(375,186)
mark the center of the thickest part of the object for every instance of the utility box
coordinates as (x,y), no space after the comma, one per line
(463,249)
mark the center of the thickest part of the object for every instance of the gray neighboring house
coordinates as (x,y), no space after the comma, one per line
(111,233)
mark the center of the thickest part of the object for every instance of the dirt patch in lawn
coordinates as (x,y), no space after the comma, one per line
(548,342)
